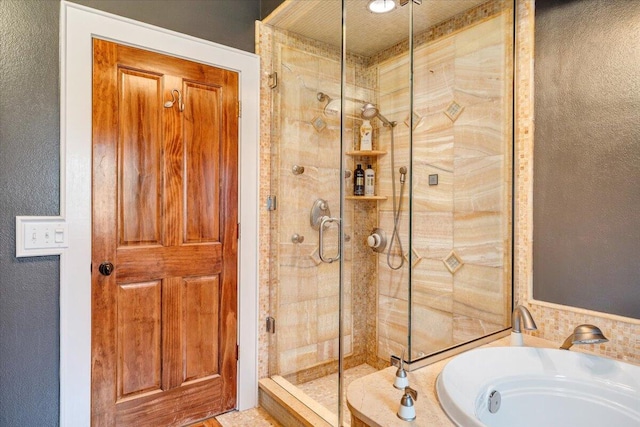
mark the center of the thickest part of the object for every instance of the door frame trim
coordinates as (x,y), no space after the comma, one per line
(78,25)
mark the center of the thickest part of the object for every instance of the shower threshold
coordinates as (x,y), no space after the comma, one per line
(310,400)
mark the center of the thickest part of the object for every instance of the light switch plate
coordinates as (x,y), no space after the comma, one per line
(41,235)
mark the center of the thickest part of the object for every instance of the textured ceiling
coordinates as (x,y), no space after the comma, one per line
(367,33)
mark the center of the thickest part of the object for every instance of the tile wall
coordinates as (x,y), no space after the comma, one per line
(468,212)
(380,331)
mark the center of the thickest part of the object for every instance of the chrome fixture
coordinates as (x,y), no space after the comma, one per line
(296,238)
(370,111)
(320,219)
(404,2)
(403,174)
(407,411)
(333,107)
(584,334)
(297,170)
(377,240)
(401,381)
(522,315)
(319,210)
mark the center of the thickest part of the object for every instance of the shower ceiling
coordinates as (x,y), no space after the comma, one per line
(320,20)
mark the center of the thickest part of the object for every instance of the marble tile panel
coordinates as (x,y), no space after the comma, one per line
(394,106)
(394,75)
(481,130)
(298,96)
(480,75)
(392,326)
(432,198)
(327,321)
(432,285)
(431,330)
(490,32)
(297,325)
(479,237)
(297,284)
(434,78)
(479,184)
(433,234)
(328,350)
(298,60)
(295,359)
(478,293)
(469,328)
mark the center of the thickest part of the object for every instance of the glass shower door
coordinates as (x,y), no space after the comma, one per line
(306,251)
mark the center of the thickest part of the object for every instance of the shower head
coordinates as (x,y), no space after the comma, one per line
(333,107)
(370,111)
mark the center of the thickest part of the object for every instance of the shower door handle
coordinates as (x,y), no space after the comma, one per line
(324,221)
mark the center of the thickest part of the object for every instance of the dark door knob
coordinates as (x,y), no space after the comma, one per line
(106,268)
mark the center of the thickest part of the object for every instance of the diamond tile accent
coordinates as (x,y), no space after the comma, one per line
(318,123)
(454,110)
(453,262)
(415,256)
(417,120)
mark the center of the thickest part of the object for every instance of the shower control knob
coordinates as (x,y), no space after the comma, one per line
(377,240)
(374,241)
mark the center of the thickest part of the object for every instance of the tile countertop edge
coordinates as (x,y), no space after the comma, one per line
(373,399)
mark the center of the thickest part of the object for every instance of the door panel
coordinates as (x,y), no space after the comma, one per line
(139,157)
(201,149)
(138,340)
(164,324)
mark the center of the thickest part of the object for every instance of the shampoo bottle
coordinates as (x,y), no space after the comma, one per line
(366,133)
(369,182)
(358,181)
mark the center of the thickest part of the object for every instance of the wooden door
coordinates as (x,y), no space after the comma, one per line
(164,339)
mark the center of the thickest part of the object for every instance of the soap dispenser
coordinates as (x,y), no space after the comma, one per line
(407,411)
(401,381)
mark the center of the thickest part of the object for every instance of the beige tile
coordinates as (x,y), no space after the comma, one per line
(392,326)
(478,293)
(431,330)
(297,359)
(479,238)
(433,234)
(480,130)
(297,324)
(432,285)
(479,184)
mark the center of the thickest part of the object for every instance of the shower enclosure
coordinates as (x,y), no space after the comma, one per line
(424,265)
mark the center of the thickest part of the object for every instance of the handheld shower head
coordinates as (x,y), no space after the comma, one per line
(370,111)
(584,334)
(403,174)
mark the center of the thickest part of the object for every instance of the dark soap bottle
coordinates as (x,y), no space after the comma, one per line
(358,181)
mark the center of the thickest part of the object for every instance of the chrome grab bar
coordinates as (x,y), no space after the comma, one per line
(324,221)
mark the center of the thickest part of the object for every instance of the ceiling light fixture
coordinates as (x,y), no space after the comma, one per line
(381,6)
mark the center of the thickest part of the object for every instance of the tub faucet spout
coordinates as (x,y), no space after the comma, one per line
(521,317)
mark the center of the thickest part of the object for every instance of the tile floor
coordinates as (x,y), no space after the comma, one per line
(324,390)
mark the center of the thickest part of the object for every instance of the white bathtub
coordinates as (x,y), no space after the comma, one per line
(539,387)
